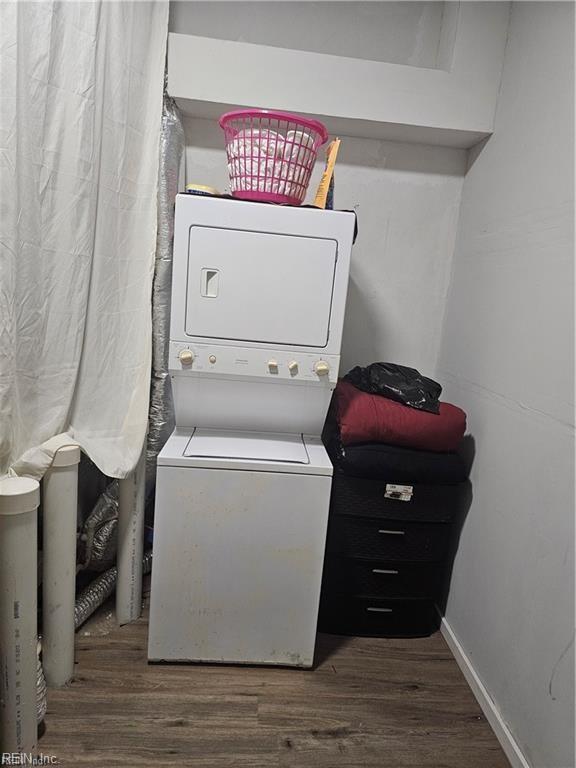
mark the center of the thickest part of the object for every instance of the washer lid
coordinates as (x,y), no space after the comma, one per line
(247,446)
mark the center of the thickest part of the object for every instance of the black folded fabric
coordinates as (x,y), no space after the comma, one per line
(396,465)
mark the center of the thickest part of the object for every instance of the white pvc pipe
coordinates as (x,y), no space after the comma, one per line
(19,499)
(60,504)
(131,544)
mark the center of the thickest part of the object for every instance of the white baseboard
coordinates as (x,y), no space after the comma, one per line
(501,730)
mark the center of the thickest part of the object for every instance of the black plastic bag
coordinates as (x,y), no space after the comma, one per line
(397,382)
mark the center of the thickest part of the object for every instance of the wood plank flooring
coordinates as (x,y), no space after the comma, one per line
(369,702)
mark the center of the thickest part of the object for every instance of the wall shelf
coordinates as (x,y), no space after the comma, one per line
(353,97)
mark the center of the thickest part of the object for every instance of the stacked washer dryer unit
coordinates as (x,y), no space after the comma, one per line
(243,484)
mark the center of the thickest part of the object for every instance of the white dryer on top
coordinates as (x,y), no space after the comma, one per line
(258,300)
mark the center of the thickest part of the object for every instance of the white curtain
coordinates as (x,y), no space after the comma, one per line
(80,114)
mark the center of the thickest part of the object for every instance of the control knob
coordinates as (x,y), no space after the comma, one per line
(293,367)
(186,357)
(321,368)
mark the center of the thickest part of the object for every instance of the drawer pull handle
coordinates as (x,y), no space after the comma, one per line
(380,610)
(391,533)
(384,570)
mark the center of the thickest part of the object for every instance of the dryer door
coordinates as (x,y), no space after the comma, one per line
(259,287)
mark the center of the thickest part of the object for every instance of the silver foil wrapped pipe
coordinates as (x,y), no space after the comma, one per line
(161,413)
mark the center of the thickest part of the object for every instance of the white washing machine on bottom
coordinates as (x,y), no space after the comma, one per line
(240,531)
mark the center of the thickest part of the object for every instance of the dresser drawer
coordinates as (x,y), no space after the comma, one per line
(359,497)
(382,579)
(378,617)
(387,540)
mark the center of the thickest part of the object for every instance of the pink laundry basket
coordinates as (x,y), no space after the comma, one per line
(271,154)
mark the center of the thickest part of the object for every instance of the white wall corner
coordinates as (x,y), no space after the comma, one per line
(501,730)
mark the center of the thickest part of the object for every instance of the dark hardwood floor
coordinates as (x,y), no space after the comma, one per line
(369,702)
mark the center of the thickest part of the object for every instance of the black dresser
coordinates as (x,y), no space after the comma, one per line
(388,556)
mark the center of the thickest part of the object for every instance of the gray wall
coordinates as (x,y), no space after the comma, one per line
(508,358)
(396,32)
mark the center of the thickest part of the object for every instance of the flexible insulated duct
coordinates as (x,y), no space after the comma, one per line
(96,593)
(98,539)
(161,414)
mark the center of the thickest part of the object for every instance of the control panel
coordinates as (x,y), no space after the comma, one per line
(259,363)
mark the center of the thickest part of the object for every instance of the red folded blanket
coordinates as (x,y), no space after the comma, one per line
(366,418)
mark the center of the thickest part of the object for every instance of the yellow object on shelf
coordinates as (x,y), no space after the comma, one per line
(324,186)
(201,189)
